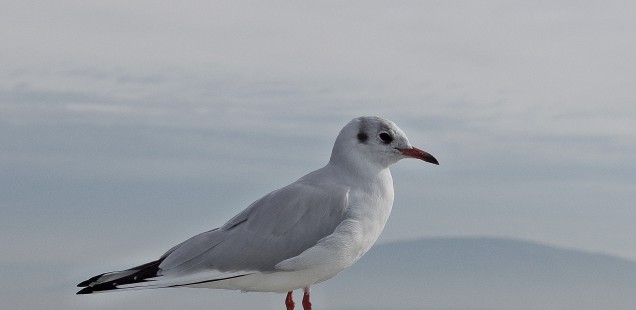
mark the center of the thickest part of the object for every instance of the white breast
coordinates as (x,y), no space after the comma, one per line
(368,210)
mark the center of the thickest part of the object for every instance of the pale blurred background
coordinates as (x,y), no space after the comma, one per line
(128,126)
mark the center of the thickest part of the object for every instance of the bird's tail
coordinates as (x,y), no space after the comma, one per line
(149,275)
(115,280)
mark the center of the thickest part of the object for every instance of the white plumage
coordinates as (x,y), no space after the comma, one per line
(293,237)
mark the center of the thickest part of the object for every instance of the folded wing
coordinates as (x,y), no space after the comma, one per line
(278,226)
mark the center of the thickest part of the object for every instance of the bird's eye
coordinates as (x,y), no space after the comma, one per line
(385,137)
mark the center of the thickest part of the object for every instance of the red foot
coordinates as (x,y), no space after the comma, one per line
(306,302)
(289,301)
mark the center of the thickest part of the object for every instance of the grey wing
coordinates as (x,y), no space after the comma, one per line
(276,227)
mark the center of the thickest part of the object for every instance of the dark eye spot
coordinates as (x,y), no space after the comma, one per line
(386,137)
(362,137)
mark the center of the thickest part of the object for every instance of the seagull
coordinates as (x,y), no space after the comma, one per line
(294,237)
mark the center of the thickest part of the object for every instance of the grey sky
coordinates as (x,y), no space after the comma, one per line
(128,126)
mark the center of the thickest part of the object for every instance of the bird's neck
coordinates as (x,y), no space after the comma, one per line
(359,170)
(362,173)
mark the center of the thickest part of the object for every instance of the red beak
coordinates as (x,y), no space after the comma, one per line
(419,154)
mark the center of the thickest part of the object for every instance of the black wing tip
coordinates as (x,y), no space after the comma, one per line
(89,281)
(86,290)
(141,273)
(108,286)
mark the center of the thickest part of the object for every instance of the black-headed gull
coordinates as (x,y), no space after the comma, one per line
(296,236)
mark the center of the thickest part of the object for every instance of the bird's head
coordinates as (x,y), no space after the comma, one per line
(375,141)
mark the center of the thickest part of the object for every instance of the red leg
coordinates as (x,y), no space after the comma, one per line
(289,301)
(306,301)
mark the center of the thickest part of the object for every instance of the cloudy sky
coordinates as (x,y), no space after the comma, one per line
(128,126)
